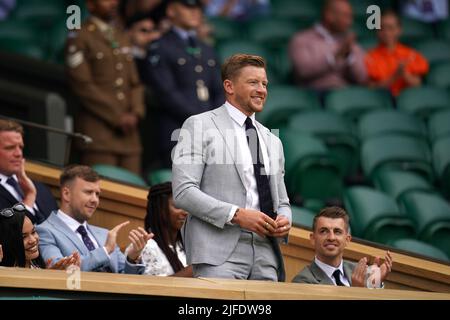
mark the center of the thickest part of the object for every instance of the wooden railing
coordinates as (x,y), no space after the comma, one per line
(121,202)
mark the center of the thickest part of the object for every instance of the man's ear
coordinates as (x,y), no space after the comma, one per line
(228,86)
(65,193)
(312,239)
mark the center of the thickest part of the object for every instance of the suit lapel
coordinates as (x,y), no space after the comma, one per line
(319,275)
(5,193)
(67,232)
(348,271)
(223,123)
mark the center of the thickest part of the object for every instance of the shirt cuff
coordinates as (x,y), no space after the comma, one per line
(30,209)
(106,252)
(231,215)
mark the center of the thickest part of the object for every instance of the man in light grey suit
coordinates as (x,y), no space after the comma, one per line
(67,230)
(329,238)
(228,173)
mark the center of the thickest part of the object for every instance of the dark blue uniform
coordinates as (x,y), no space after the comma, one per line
(185,78)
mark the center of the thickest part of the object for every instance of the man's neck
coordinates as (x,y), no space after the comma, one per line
(331,261)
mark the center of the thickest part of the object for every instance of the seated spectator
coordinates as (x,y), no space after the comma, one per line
(6,7)
(239,10)
(429,11)
(391,64)
(329,238)
(15,186)
(327,56)
(164,254)
(19,243)
(67,230)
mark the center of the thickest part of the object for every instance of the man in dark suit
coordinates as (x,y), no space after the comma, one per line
(183,72)
(329,238)
(15,186)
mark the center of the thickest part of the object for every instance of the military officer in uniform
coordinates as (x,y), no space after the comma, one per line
(102,73)
(183,73)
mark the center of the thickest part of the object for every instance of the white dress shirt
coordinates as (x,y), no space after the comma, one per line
(244,157)
(330,269)
(14,193)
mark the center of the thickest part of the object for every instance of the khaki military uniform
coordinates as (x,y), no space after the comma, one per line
(102,73)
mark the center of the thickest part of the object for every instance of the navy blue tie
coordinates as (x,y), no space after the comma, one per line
(87,241)
(13,183)
(337,277)
(262,180)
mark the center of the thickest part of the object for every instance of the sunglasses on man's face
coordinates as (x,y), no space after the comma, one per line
(9,212)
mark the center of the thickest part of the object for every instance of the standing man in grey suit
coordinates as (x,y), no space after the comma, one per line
(67,230)
(329,238)
(228,173)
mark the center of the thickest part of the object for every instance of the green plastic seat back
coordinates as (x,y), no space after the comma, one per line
(160,176)
(435,51)
(438,125)
(302,217)
(441,162)
(420,247)
(414,30)
(119,174)
(271,32)
(439,75)
(423,101)
(443,29)
(224,29)
(300,9)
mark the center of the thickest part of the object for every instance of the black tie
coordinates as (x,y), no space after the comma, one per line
(337,277)
(87,241)
(13,183)
(262,180)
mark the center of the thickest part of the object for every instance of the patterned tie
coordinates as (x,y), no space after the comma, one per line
(337,277)
(84,235)
(13,183)
(262,180)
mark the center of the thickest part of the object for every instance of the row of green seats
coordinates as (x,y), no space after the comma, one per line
(125,176)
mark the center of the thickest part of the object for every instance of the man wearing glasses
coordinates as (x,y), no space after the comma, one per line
(15,186)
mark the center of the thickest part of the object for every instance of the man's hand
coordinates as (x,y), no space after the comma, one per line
(1,253)
(256,221)
(386,267)
(27,186)
(128,122)
(359,274)
(345,47)
(283,227)
(138,238)
(111,239)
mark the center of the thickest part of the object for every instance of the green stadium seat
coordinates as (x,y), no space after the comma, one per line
(431,216)
(57,41)
(40,13)
(224,29)
(119,174)
(441,162)
(420,247)
(414,30)
(283,102)
(283,65)
(423,101)
(360,29)
(17,30)
(271,32)
(160,176)
(396,183)
(311,171)
(438,125)
(443,29)
(439,75)
(434,50)
(353,102)
(395,151)
(24,48)
(382,122)
(375,216)
(302,217)
(300,9)
(332,129)
(368,42)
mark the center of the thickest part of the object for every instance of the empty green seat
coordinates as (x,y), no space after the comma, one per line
(439,75)
(396,183)
(441,162)
(300,9)
(302,217)
(420,247)
(353,102)
(24,48)
(283,102)
(423,101)
(381,122)
(271,32)
(311,171)
(438,125)
(414,30)
(431,216)
(395,151)
(119,174)
(228,48)
(443,29)
(334,130)
(160,176)
(375,216)
(224,29)
(434,50)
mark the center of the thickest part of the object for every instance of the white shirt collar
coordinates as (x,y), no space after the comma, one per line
(237,114)
(183,34)
(329,269)
(71,222)
(101,25)
(3,178)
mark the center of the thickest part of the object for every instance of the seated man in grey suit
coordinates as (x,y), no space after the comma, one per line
(228,173)
(329,238)
(67,230)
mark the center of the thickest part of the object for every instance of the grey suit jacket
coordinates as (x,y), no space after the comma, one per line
(314,275)
(57,240)
(208,179)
